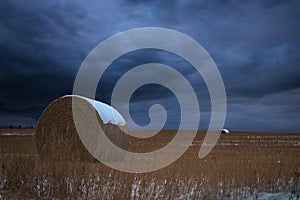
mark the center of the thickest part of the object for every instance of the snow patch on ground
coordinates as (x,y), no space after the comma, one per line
(273,196)
(17,134)
(260,196)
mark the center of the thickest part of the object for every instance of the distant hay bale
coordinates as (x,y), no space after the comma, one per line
(56,135)
(225,131)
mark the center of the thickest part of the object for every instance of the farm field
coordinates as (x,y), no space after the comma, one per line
(243,165)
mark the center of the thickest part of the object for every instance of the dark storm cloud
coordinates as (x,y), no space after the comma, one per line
(255,45)
(37,54)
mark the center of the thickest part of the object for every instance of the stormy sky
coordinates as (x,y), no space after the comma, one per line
(255,45)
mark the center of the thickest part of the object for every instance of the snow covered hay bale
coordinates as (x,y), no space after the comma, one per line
(57,138)
(225,131)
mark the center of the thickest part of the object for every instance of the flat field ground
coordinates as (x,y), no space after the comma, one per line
(242,165)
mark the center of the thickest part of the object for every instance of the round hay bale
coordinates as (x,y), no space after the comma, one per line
(225,131)
(56,135)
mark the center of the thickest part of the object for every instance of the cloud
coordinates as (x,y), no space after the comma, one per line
(255,45)
(37,54)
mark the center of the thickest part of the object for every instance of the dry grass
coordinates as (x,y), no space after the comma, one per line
(240,165)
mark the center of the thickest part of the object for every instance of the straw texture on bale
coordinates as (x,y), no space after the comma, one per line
(56,135)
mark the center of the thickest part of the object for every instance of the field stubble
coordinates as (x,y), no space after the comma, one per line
(242,164)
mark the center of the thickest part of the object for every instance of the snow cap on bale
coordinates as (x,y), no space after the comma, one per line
(56,134)
(107,113)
